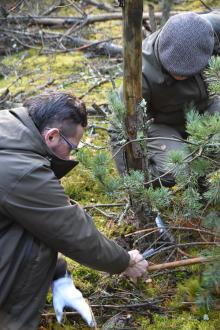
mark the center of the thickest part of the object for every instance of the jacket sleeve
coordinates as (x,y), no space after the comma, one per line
(39,204)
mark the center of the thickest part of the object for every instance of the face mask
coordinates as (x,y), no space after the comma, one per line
(61,167)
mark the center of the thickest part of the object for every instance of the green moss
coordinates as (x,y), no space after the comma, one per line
(84,278)
(196,5)
(181,322)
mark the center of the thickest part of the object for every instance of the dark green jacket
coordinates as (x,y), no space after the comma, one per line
(165,96)
(37,221)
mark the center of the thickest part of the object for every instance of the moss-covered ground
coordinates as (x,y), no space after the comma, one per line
(174,294)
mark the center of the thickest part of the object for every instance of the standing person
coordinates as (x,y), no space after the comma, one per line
(36,218)
(174,59)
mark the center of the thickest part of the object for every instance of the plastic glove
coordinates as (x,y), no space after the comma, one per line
(137,265)
(66,294)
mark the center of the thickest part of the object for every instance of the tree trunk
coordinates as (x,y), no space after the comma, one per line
(132,82)
(132,90)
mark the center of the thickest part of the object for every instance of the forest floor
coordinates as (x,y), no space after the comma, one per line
(166,299)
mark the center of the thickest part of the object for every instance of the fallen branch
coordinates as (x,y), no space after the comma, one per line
(101,6)
(148,304)
(65,21)
(69,43)
(153,229)
(53,8)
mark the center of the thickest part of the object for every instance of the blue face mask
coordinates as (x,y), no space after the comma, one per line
(61,167)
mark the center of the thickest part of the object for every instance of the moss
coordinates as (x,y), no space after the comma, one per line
(188,290)
(107,30)
(84,278)
(196,5)
(182,322)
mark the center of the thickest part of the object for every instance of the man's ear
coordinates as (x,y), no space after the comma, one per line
(51,137)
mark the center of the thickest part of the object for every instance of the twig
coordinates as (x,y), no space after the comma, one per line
(109,216)
(92,146)
(53,8)
(98,84)
(99,109)
(104,205)
(205,5)
(142,304)
(98,127)
(145,139)
(101,6)
(173,227)
(161,250)
(77,7)
(123,214)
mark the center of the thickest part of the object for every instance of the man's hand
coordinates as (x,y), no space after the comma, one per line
(66,294)
(137,265)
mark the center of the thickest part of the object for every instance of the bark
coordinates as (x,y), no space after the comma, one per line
(132,95)
(132,81)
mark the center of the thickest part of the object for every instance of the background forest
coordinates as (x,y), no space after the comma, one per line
(77,46)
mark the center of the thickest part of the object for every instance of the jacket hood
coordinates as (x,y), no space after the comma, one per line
(18,132)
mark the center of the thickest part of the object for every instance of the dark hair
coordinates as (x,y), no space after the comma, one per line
(56,109)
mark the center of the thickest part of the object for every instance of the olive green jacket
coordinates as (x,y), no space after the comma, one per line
(37,221)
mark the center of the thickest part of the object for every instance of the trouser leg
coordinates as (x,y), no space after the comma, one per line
(158,150)
(23,307)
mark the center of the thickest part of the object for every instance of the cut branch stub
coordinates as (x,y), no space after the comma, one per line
(180,263)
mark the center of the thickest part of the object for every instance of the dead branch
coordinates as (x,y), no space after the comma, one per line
(148,304)
(53,8)
(205,5)
(167,248)
(104,205)
(101,6)
(65,21)
(98,84)
(99,110)
(51,43)
(174,227)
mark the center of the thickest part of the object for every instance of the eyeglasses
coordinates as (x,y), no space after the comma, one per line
(72,146)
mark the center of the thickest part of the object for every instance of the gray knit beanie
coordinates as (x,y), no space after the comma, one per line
(186,44)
